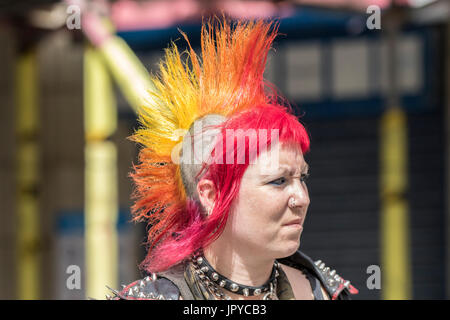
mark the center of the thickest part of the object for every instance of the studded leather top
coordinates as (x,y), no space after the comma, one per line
(173,284)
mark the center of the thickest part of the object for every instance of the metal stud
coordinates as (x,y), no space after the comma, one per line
(147,279)
(135,289)
(325,270)
(346,283)
(141,284)
(215,276)
(332,273)
(205,269)
(245,291)
(154,276)
(222,283)
(130,292)
(161,297)
(234,287)
(318,262)
(322,265)
(331,282)
(257,292)
(199,260)
(141,295)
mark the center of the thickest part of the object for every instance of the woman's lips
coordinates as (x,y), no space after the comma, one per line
(295,224)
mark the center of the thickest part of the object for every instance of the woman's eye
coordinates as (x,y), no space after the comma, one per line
(278,182)
(304,177)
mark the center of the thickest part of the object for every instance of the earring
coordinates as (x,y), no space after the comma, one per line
(292,202)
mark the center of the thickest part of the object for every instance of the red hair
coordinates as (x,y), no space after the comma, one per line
(228,81)
(193,231)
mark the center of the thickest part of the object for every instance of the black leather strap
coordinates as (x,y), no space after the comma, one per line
(176,275)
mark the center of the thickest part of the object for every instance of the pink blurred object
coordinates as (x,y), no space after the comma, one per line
(128,15)
(94,28)
(157,14)
(254,9)
(351,4)
(132,15)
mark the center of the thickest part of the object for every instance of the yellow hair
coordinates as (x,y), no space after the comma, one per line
(228,79)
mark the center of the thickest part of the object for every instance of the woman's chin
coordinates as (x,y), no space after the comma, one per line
(287,249)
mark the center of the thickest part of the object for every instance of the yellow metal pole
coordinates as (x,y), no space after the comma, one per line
(395,226)
(101,182)
(27,171)
(128,71)
(396,270)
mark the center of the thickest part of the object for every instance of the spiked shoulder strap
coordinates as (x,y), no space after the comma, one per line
(337,287)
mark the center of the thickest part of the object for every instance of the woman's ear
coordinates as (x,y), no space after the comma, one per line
(207,194)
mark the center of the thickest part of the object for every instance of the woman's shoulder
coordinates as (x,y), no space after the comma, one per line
(298,282)
(334,285)
(154,286)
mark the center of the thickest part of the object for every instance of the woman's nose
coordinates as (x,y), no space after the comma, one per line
(300,194)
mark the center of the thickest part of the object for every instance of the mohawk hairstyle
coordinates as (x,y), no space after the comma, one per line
(227,81)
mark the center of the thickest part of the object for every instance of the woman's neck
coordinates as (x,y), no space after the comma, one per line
(239,266)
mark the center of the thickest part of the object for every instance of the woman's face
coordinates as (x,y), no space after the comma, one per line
(261,218)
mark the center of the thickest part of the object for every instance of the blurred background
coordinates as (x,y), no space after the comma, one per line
(369,78)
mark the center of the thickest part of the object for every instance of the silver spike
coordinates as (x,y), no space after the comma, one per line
(123,286)
(141,284)
(136,289)
(147,279)
(152,295)
(161,297)
(318,262)
(114,291)
(141,295)
(154,276)
(330,282)
(325,270)
(204,269)
(130,292)
(234,287)
(332,273)
(222,283)
(322,265)
(246,293)
(108,297)
(346,283)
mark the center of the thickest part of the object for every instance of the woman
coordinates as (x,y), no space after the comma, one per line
(221,179)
